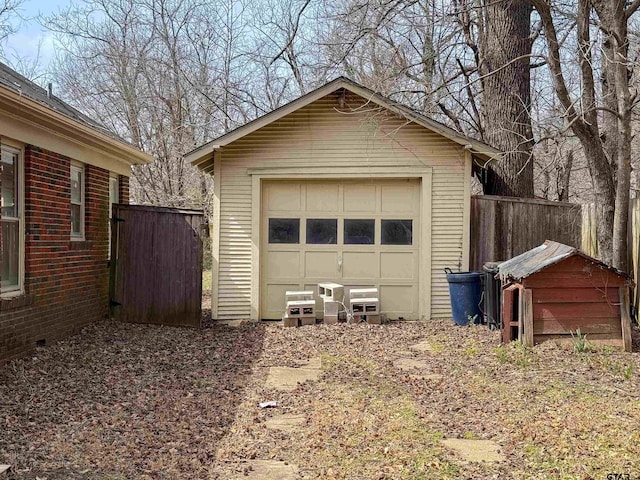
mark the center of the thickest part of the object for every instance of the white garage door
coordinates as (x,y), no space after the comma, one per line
(362,233)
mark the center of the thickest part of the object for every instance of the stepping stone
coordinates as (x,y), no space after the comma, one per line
(408,363)
(435,377)
(235,323)
(475,450)
(404,353)
(285,422)
(422,347)
(315,362)
(4,469)
(288,378)
(267,470)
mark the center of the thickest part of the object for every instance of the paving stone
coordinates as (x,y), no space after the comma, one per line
(475,450)
(422,347)
(288,378)
(434,377)
(233,323)
(267,470)
(403,353)
(408,363)
(315,362)
(285,422)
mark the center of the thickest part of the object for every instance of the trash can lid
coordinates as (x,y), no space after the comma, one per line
(491,267)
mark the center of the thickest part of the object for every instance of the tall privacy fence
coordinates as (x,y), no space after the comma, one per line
(503,227)
(590,242)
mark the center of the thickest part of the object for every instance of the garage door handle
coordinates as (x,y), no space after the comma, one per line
(339,264)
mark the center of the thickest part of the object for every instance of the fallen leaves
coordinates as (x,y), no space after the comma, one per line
(140,401)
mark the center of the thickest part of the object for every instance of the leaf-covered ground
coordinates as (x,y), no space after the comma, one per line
(122,401)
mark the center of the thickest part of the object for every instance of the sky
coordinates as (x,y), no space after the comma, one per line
(30,35)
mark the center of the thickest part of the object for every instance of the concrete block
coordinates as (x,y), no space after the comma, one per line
(290,321)
(291,295)
(363,293)
(374,319)
(331,291)
(330,319)
(301,308)
(330,307)
(365,306)
(307,321)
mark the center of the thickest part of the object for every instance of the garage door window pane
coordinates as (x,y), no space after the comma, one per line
(284,230)
(360,232)
(322,231)
(397,232)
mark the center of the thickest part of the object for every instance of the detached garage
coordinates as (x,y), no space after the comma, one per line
(339,185)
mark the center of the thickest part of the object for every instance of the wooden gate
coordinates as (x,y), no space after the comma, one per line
(156,268)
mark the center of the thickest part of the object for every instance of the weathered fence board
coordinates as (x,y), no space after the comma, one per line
(503,227)
(156,274)
(590,243)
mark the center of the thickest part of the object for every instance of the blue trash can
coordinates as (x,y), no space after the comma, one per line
(465,290)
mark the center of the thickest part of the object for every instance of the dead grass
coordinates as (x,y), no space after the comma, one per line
(206,282)
(130,401)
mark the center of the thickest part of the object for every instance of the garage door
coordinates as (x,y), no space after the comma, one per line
(361,234)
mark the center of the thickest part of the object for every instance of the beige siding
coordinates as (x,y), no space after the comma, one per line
(320,136)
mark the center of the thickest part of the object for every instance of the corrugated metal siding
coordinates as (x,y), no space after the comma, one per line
(320,135)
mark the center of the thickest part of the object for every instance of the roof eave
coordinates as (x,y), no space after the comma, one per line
(50,119)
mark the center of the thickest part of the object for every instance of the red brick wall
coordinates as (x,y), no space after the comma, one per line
(123,189)
(66,282)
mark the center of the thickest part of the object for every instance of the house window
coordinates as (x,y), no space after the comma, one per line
(113,198)
(77,202)
(12,224)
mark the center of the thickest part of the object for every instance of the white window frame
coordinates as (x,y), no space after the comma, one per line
(113,177)
(16,290)
(78,167)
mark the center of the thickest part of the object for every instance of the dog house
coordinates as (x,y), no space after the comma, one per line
(551,291)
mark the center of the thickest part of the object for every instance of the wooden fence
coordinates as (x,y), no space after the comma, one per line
(590,242)
(156,271)
(503,227)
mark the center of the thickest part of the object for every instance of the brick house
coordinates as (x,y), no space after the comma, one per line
(61,171)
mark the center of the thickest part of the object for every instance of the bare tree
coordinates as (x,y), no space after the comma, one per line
(606,140)
(150,70)
(9,17)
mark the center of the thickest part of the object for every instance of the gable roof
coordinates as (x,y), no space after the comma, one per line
(20,94)
(11,79)
(479,149)
(543,256)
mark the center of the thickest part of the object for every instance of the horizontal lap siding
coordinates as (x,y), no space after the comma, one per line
(318,135)
(447,232)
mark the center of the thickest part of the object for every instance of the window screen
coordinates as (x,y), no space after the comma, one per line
(77,201)
(322,231)
(284,230)
(397,232)
(11,221)
(360,232)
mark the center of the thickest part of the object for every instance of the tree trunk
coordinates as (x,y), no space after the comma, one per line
(564,178)
(506,81)
(613,20)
